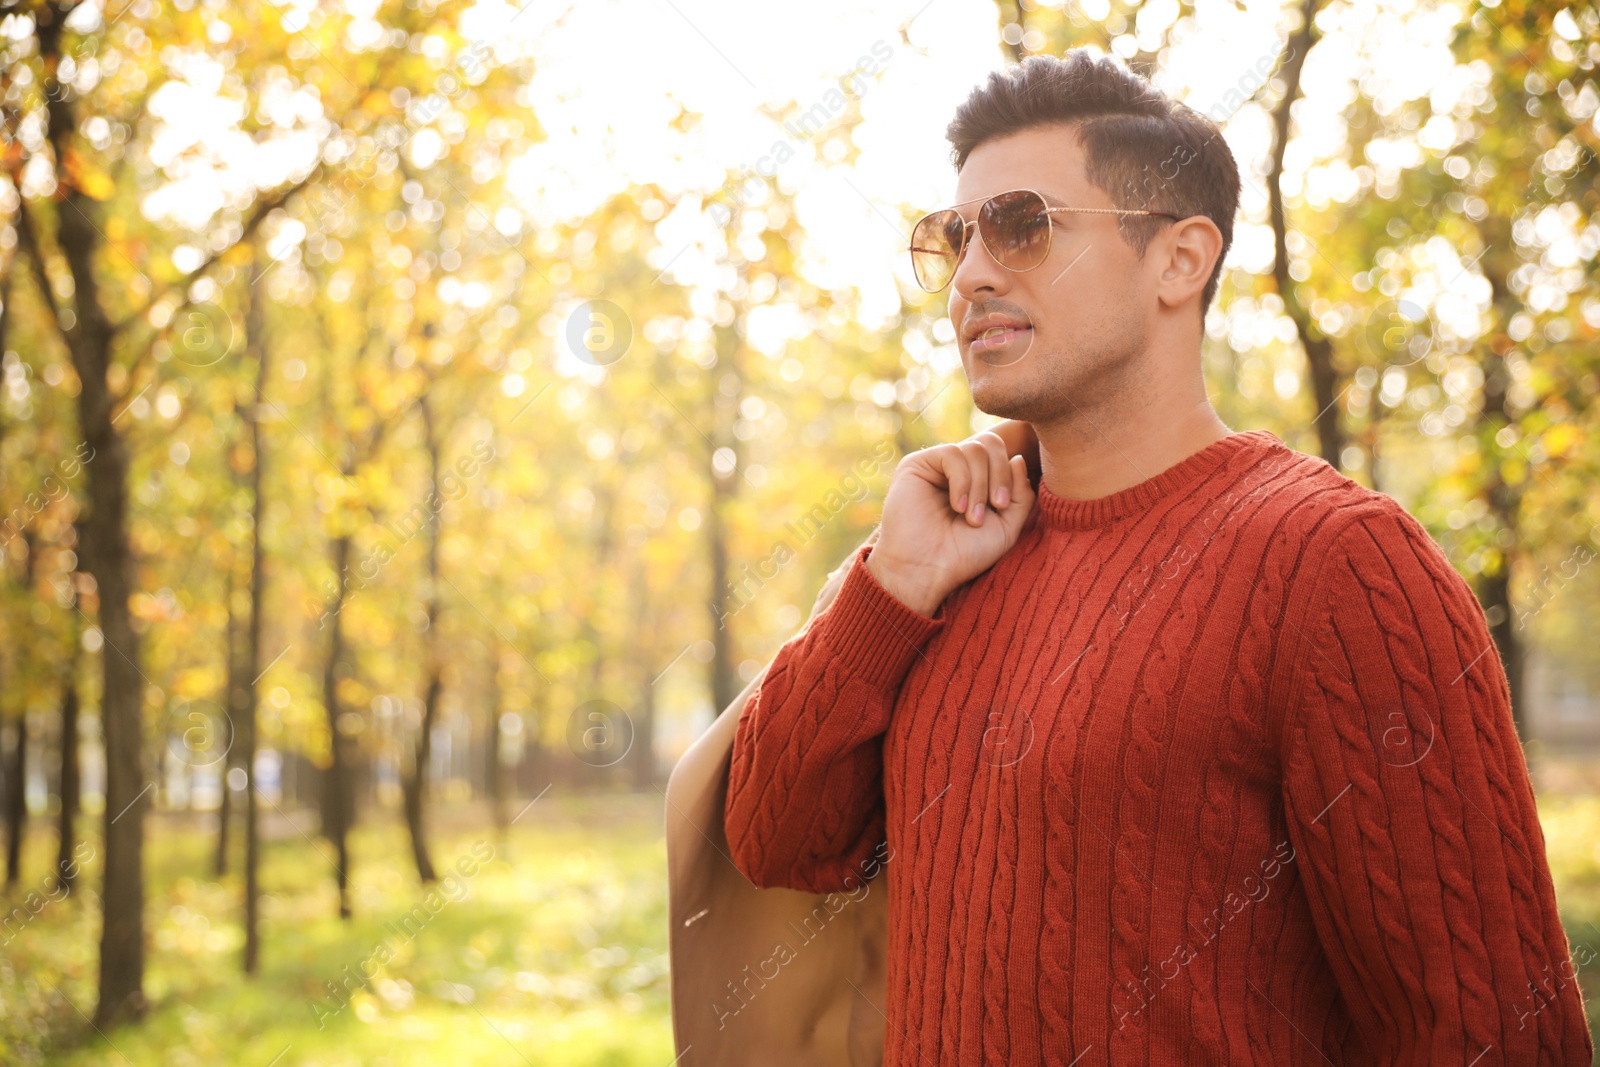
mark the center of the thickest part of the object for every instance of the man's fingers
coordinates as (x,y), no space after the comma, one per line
(1000,488)
(976,457)
(1015,434)
(1021,488)
(947,460)
(976,475)
(1020,440)
(1023,497)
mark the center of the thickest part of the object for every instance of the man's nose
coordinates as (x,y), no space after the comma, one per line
(977,270)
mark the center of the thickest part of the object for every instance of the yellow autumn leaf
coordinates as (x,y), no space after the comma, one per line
(87,178)
(1560,439)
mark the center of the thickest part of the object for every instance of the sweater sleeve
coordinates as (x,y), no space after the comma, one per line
(1410,807)
(805,806)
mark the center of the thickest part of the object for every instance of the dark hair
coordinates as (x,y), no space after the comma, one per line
(1142,148)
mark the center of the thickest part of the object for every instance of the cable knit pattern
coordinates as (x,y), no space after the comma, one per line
(1218,769)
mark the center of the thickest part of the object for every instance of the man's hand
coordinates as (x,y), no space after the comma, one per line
(950,513)
(1021,441)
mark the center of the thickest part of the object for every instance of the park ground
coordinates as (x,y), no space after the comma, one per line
(553,952)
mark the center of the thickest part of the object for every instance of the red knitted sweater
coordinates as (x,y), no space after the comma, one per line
(1219,769)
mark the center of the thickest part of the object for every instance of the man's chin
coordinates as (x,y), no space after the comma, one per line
(1002,400)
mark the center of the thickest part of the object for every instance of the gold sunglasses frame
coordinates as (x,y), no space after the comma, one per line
(966,231)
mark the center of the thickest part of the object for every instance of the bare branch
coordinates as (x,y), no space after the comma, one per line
(263,208)
(30,237)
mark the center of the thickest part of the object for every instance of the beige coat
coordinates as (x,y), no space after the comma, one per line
(764,976)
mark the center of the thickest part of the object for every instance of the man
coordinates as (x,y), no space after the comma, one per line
(1198,753)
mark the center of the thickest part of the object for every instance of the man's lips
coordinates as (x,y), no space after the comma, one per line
(991,337)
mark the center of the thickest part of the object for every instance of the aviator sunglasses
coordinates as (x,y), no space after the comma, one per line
(1014,226)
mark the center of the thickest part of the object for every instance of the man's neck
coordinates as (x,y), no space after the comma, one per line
(1088,455)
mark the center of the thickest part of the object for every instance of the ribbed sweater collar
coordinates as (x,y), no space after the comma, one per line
(1061,513)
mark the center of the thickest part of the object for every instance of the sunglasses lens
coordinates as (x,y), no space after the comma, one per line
(936,248)
(1016,229)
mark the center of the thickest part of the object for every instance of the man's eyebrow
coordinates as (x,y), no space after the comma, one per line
(967,209)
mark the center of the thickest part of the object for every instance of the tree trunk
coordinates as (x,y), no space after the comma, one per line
(724,410)
(5,776)
(121,704)
(1505,501)
(416,782)
(538,762)
(1372,442)
(644,750)
(232,698)
(496,780)
(250,674)
(1494,584)
(722,687)
(16,800)
(591,775)
(1318,348)
(642,756)
(89,335)
(336,800)
(121,701)
(66,839)
(1494,593)
(108,558)
(17,780)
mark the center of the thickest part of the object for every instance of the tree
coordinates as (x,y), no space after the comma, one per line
(68,782)
(257,343)
(422,751)
(1324,377)
(108,315)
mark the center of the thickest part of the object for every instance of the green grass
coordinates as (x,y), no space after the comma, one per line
(1572,843)
(555,949)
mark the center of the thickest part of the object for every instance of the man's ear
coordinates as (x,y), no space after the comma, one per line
(1190,251)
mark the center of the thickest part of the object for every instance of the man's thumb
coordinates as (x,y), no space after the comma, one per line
(1021,488)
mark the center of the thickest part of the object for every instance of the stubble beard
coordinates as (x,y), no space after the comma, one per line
(1062,384)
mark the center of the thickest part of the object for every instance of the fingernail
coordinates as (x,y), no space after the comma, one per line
(977,513)
(961,505)
(1002,497)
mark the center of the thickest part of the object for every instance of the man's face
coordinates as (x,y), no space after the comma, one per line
(1084,314)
